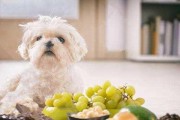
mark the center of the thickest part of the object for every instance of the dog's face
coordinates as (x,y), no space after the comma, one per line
(51,42)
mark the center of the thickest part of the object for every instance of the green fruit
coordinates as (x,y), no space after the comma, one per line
(59,103)
(113,112)
(111,104)
(106,85)
(99,104)
(76,96)
(140,112)
(121,104)
(130,90)
(139,101)
(89,92)
(116,97)
(80,106)
(96,88)
(98,99)
(49,102)
(67,96)
(69,104)
(101,92)
(110,91)
(83,99)
(57,96)
(56,113)
(130,102)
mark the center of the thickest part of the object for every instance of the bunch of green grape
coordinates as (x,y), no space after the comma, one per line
(59,105)
(60,100)
(108,96)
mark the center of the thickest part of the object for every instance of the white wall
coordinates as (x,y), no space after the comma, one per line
(115,25)
(33,8)
(133,28)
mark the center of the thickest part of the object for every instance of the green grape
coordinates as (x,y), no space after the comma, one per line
(76,96)
(121,104)
(57,96)
(118,92)
(130,101)
(89,92)
(49,102)
(110,91)
(98,99)
(106,85)
(111,104)
(66,93)
(55,113)
(83,99)
(96,88)
(139,101)
(116,97)
(130,90)
(69,104)
(67,96)
(80,106)
(99,104)
(101,92)
(59,103)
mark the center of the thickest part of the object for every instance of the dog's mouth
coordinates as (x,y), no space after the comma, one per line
(49,53)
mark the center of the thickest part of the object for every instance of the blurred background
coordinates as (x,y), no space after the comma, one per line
(133,42)
(145,30)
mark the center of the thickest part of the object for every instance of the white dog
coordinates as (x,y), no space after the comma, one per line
(53,47)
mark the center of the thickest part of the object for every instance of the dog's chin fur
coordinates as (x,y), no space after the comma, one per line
(52,68)
(48,63)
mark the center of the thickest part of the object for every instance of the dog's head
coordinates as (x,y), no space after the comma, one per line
(50,42)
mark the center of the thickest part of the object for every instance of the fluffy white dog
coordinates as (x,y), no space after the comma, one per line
(53,47)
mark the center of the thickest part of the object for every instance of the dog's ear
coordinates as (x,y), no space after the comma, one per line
(79,47)
(23,47)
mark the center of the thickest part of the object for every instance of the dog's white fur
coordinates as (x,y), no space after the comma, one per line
(47,74)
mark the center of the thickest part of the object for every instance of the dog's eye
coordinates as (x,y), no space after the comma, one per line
(61,39)
(38,38)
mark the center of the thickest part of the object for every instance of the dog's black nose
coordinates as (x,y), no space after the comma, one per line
(49,44)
